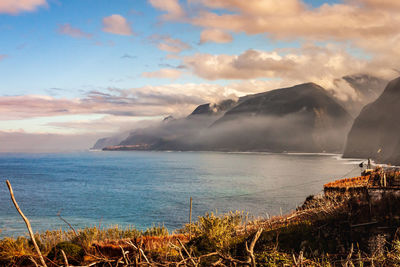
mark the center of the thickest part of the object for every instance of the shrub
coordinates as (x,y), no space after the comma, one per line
(214,232)
(274,258)
(11,249)
(73,252)
(160,230)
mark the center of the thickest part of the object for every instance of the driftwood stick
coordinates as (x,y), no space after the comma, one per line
(28,224)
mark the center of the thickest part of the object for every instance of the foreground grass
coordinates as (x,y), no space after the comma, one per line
(324,231)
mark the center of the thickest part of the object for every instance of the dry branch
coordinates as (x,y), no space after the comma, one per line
(28,224)
(65,258)
(187,252)
(250,250)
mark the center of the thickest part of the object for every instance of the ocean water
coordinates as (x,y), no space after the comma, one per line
(151,188)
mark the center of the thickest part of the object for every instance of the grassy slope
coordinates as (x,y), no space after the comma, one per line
(319,233)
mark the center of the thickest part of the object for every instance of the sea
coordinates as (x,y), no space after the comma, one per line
(147,188)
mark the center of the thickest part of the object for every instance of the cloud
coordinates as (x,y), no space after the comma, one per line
(215,35)
(67,29)
(294,64)
(128,56)
(310,63)
(371,27)
(172,74)
(117,24)
(177,99)
(172,8)
(15,7)
(256,7)
(3,56)
(382,4)
(169,44)
(293,19)
(55,91)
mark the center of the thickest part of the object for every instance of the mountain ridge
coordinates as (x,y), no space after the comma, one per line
(302,118)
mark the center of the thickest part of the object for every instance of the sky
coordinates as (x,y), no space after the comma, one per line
(72,71)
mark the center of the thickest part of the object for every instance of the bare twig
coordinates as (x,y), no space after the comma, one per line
(28,224)
(69,225)
(144,255)
(177,249)
(250,250)
(299,261)
(129,242)
(33,260)
(65,258)
(124,255)
(187,252)
(348,259)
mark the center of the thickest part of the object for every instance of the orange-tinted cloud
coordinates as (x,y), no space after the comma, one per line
(177,99)
(15,7)
(67,29)
(293,19)
(172,74)
(310,63)
(117,24)
(168,44)
(172,8)
(215,35)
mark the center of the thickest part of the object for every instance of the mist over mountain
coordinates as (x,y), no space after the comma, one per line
(376,131)
(367,88)
(302,118)
(299,118)
(170,130)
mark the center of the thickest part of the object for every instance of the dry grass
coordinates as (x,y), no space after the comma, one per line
(360,181)
(216,239)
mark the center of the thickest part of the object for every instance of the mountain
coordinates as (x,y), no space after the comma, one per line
(376,131)
(109,141)
(299,118)
(302,118)
(177,134)
(213,109)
